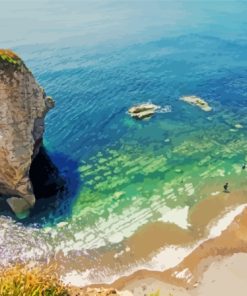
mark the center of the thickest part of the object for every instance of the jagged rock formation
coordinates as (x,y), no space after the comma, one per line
(196,101)
(142,111)
(24,105)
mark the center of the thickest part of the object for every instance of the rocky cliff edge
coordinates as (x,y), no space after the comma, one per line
(24,105)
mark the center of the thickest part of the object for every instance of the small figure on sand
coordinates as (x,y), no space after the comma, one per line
(244,166)
(226,187)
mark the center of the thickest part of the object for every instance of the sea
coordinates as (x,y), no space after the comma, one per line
(97,59)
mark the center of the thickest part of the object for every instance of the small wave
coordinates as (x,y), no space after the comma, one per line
(164,109)
(166,258)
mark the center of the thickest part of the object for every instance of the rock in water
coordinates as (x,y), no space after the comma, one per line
(24,105)
(143,110)
(194,100)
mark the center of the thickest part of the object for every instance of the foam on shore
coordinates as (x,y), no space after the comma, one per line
(167,258)
(117,227)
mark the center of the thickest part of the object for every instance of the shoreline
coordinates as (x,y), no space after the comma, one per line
(179,244)
(204,269)
(189,274)
(172,256)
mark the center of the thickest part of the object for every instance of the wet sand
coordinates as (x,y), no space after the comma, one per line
(153,239)
(224,276)
(163,256)
(216,267)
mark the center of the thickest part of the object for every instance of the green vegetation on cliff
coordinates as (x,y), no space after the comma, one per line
(38,281)
(19,281)
(10,57)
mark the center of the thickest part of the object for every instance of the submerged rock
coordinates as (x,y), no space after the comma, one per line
(238,125)
(194,100)
(24,105)
(142,111)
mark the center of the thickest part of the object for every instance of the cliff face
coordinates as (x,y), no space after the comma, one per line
(23,106)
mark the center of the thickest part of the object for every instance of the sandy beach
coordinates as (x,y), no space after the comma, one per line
(156,246)
(224,276)
(217,266)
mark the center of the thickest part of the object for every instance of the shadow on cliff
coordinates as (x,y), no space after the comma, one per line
(53,188)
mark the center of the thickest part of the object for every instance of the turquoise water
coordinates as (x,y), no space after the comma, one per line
(97,59)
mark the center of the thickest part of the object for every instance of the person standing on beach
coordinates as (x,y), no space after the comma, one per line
(226,187)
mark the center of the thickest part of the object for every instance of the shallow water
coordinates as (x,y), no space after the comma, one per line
(98,59)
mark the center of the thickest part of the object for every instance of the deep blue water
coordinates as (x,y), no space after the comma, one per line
(97,58)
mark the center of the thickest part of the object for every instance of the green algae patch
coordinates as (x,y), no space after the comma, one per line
(146,172)
(143,173)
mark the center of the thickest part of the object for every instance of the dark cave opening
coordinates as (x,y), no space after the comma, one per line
(45,177)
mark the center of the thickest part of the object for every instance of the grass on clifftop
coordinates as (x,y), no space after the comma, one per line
(18,281)
(10,57)
(38,281)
